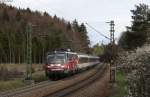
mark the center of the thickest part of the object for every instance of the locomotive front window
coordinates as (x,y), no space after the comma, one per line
(57,58)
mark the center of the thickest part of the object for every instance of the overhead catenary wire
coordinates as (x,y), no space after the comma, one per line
(97,31)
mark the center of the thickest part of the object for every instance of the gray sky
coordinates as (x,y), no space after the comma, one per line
(94,12)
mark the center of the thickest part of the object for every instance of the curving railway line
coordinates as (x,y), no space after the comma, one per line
(79,85)
(26,89)
(60,88)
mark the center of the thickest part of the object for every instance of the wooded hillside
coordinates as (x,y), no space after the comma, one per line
(48,34)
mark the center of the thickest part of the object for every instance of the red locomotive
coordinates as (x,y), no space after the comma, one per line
(60,63)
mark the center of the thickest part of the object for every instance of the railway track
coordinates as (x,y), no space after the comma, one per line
(21,91)
(64,86)
(79,85)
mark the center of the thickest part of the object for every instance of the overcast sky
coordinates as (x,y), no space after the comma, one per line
(94,12)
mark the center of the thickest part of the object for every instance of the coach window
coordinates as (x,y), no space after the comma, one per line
(83,60)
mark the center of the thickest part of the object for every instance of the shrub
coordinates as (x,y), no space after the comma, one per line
(4,73)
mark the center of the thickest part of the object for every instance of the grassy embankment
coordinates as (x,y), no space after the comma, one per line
(120,88)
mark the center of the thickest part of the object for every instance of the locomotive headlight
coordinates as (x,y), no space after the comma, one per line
(62,66)
(52,64)
(58,65)
(49,66)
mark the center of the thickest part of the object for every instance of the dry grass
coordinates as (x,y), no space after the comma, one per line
(22,67)
(7,74)
(9,71)
(11,84)
(39,76)
(12,75)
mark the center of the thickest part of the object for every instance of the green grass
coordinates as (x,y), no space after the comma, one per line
(121,86)
(11,84)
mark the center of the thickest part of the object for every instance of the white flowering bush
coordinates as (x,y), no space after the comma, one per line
(137,63)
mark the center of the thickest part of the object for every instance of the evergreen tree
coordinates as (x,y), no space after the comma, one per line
(84,37)
(28,10)
(46,14)
(82,28)
(136,35)
(75,25)
(5,15)
(68,26)
(18,16)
